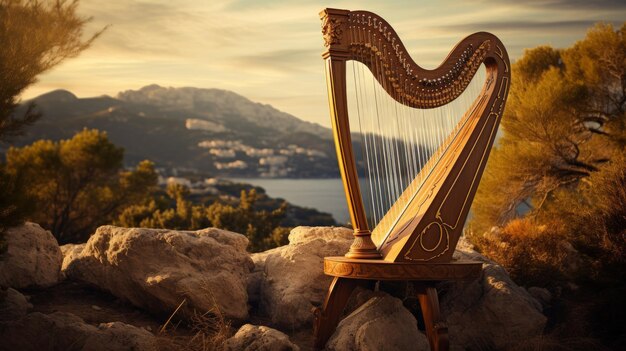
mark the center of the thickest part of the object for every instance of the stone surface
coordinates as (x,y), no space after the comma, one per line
(257,276)
(491,312)
(542,295)
(65,331)
(382,323)
(33,258)
(293,281)
(13,305)
(259,338)
(156,269)
(70,253)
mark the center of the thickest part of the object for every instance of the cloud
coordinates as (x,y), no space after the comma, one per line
(279,61)
(269,50)
(519,26)
(570,4)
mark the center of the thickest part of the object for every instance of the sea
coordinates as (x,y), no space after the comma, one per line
(325,195)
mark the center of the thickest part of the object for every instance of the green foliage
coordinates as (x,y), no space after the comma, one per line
(551,206)
(75,185)
(564,118)
(35,36)
(175,211)
(14,206)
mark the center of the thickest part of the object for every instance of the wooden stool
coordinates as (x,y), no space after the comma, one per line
(351,273)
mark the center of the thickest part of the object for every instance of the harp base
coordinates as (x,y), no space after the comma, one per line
(363,247)
(352,273)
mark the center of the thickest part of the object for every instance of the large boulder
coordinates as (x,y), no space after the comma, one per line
(157,269)
(382,323)
(490,312)
(259,338)
(65,331)
(293,279)
(33,258)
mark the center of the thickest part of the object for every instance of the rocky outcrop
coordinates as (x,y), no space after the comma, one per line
(259,338)
(157,269)
(491,311)
(33,258)
(293,281)
(13,305)
(382,323)
(65,331)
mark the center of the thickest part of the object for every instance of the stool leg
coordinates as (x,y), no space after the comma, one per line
(436,328)
(327,318)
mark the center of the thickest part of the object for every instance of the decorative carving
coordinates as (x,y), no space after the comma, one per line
(374,40)
(383,270)
(332,30)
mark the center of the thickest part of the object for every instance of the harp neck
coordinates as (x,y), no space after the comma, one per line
(366,37)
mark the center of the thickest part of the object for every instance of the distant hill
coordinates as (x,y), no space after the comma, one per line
(208,130)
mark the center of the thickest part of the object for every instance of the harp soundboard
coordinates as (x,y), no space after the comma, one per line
(413,159)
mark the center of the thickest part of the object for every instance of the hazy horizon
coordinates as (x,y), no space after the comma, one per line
(270,52)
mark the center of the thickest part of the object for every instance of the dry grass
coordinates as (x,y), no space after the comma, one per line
(206,331)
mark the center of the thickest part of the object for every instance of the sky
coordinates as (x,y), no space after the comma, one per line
(270,51)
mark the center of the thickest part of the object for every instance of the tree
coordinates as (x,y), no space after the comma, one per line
(78,184)
(35,37)
(564,119)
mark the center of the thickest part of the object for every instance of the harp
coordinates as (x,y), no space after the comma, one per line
(410,172)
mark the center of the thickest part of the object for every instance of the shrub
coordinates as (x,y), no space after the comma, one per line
(534,254)
(261,227)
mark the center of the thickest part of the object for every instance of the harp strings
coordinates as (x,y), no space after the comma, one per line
(399,146)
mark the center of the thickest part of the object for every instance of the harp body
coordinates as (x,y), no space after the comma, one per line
(414,237)
(425,222)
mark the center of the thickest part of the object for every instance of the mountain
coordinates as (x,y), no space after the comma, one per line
(208,130)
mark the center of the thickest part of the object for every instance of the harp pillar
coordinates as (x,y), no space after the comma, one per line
(363,246)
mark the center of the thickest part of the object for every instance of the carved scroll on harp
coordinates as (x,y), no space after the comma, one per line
(422,153)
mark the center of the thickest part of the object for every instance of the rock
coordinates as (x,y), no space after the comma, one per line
(13,305)
(259,338)
(294,282)
(256,277)
(70,253)
(490,312)
(382,323)
(155,269)
(33,258)
(65,331)
(542,295)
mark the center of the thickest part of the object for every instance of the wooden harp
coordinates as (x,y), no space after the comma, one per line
(426,218)
(422,157)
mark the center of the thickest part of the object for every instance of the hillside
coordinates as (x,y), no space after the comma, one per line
(208,130)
